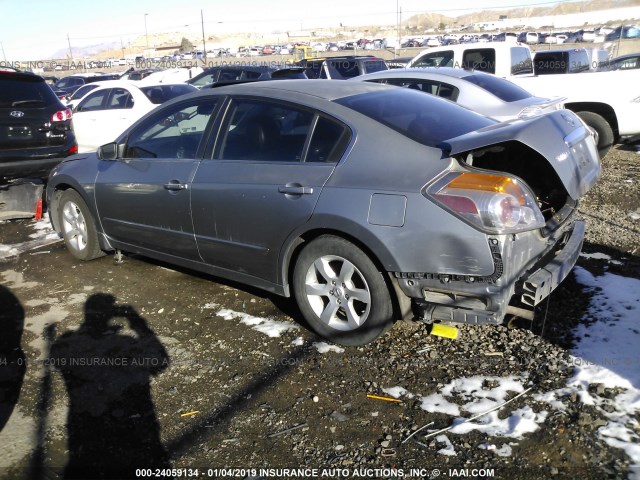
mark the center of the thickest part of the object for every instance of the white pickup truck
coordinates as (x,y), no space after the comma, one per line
(609,102)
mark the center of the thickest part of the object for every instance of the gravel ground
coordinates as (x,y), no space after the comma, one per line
(232,396)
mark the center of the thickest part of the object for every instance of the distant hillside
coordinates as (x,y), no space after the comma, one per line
(428,20)
(83,52)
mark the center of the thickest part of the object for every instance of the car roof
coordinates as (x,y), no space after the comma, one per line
(343,58)
(426,72)
(624,57)
(85,75)
(320,88)
(12,73)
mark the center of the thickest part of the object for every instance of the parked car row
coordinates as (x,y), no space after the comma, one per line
(103,108)
(601,34)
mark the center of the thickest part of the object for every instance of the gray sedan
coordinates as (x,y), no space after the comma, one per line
(487,94)
(366,203)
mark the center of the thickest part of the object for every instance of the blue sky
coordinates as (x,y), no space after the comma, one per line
(34,29)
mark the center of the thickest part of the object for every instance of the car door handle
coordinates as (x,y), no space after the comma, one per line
(175,185)
(297,190)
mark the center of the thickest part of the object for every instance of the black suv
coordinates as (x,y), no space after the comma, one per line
(342,68)
(215,76)
(35,128)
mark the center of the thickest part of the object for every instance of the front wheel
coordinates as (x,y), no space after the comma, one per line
(78,227)
(340,292)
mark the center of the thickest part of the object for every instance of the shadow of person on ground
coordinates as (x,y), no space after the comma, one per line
(112,427)
(12,359)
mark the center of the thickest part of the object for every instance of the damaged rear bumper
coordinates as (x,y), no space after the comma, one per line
(543,281)
(457,300)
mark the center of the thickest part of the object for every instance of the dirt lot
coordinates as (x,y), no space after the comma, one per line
(144,365)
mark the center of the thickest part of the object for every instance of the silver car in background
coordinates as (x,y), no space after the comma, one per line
(484,93)
(364,202)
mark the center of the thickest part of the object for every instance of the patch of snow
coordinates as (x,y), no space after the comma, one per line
(269,327)
(600,256)
(298,342)
(397,392)
(448,449)
(323,347)
(436,403)
(521,421)
(607,354)
(503,451)
(15,279)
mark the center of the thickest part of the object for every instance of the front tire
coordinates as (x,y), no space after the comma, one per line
(603,129)
(78,227)
(340,292)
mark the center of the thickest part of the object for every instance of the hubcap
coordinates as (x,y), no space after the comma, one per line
(338,293)
(74,226)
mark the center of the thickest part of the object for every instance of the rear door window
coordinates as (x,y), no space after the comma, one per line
(521,61)
(250,75)
(435,59)
(371,66)
(264,131)
(119,99)
(94,101)
(482,59)
(344,68)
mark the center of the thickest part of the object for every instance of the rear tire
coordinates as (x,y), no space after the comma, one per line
(78,227)
(340,292)
(603,129)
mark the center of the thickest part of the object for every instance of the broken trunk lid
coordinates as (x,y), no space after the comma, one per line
(561,137)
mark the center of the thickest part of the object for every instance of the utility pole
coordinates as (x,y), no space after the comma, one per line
(398,45)
(146,33)
(70,51)
(204,45)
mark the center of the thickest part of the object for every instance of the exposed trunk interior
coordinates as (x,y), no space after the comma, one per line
(522,161)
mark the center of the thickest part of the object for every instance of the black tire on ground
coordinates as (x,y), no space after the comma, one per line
(78,227)
(340,292)
(602,127)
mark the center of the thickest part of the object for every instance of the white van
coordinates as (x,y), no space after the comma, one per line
(504,59)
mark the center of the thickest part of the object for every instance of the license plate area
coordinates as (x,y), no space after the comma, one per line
(19,132)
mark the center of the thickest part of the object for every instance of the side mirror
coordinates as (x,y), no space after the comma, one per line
(108,151)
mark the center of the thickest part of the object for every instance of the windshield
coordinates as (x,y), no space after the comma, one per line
(25,93)
(424,118)
(161,93)
(371,66)
(501,88)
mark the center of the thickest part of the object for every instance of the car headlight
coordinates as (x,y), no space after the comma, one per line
(493,203)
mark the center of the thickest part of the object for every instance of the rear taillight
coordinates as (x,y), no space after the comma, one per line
(73,149)
(61,115)
(493,203)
